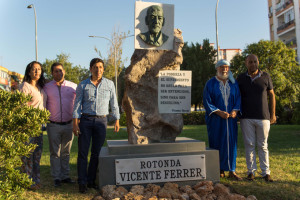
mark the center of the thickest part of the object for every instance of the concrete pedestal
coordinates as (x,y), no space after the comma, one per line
(121,149)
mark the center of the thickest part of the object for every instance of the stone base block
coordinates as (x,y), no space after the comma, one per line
(183,147)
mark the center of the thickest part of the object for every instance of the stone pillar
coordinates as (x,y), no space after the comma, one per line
(144,123)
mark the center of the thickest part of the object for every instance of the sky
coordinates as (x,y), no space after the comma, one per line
(63,26)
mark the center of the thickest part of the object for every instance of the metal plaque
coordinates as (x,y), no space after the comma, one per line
(160,169)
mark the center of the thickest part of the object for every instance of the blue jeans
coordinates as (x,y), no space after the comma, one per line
(95,129)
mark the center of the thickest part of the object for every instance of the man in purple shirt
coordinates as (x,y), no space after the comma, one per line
(61,95)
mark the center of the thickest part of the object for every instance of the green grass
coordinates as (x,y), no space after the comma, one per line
(284,148)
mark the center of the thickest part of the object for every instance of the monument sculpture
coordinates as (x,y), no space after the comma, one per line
(155,20)
(144,123)
(152,153)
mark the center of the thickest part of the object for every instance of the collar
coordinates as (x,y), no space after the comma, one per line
(258,75)
(63,83)
(90,79)
(255,77)
(220,80)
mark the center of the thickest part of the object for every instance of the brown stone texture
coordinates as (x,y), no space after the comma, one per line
(185,196)
(152,198)
(195,196)
(203,190)
(221,190)
(110,192)
(187,189)
(131,196)
(151,191)
(170,190)
(140,102)
(251,197)
(209,197)
(121,191)
(137,190)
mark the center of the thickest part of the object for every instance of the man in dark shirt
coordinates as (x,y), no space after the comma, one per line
(255,87)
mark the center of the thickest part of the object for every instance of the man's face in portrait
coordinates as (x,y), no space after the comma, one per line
(155,19)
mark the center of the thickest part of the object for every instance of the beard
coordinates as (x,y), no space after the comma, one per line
(222,76)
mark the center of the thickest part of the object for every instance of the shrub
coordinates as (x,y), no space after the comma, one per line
(296,114)
(18,122)
(194,118)
(123,121)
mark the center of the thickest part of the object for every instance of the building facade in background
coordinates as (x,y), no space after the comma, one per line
(4,79)
(285,22)
(9,80)
(15,80)
(227,54)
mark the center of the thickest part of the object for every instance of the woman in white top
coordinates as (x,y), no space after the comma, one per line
(33,84)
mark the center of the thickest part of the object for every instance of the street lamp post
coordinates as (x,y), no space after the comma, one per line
(115,63)
(217,31)
(36,48)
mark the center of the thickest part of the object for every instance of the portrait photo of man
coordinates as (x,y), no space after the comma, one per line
(154,24)
(155,21)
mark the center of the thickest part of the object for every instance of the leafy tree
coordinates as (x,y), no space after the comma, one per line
(73,73)
(121,83)
(200,60)
(18,122)
(279,61)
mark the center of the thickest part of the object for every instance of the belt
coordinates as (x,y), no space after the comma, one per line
(61,123)
(94,116)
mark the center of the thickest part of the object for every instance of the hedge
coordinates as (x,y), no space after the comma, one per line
(193,118)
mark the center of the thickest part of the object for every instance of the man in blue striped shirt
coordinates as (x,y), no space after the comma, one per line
(93,98)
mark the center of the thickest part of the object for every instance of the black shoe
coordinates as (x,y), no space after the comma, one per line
(268,178)
(82,188)
(57,183)
(250,177)
(68,180)
(92,185)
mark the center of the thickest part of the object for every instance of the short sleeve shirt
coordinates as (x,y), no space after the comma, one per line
(254,93)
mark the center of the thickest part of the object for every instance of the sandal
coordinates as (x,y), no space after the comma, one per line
(233,175)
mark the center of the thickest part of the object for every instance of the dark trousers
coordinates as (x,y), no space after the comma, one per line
(95,129)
